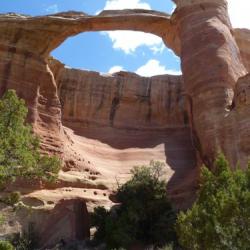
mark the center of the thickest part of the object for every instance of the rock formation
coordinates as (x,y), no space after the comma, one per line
(102,125)
(242,37)
(211,65)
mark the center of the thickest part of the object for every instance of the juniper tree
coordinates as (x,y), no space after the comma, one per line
(19,147)
(220,218)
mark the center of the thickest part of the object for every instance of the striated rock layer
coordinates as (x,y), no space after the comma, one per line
(122,100)
(211,64)
(242,37)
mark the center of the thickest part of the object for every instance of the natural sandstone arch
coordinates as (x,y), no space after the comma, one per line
(25,45)
(26,42)
(50,31)
(154,22)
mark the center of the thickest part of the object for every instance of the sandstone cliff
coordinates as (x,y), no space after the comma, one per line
(123,100)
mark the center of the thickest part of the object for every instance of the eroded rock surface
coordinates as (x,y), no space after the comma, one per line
(242,37)
(211,65)
(122,100)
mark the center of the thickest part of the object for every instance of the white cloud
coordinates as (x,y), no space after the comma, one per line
(158,49)
(153,67)
(115,69)
(52,8)
(126,4)
(129,41)
(239,13)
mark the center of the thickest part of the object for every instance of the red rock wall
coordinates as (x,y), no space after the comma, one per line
(242,37)
(211,65)
(236,125)
(122,100)
(67,221)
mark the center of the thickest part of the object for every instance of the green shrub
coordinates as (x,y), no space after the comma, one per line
(6,245)
(19,148)
(220,218)
(145,214)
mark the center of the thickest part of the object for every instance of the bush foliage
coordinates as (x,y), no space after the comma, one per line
(6,245)
(19,148)
(220,218)
(145,214)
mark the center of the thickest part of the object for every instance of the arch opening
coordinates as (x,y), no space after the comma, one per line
(110,52)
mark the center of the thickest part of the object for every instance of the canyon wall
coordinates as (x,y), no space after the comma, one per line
(122,100)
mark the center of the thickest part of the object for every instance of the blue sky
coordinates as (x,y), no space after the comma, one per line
(119,50)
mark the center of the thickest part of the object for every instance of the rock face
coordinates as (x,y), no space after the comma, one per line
(103,125)
(123,100)
(242,37)
(240,116)
(211,65)
(69,219)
